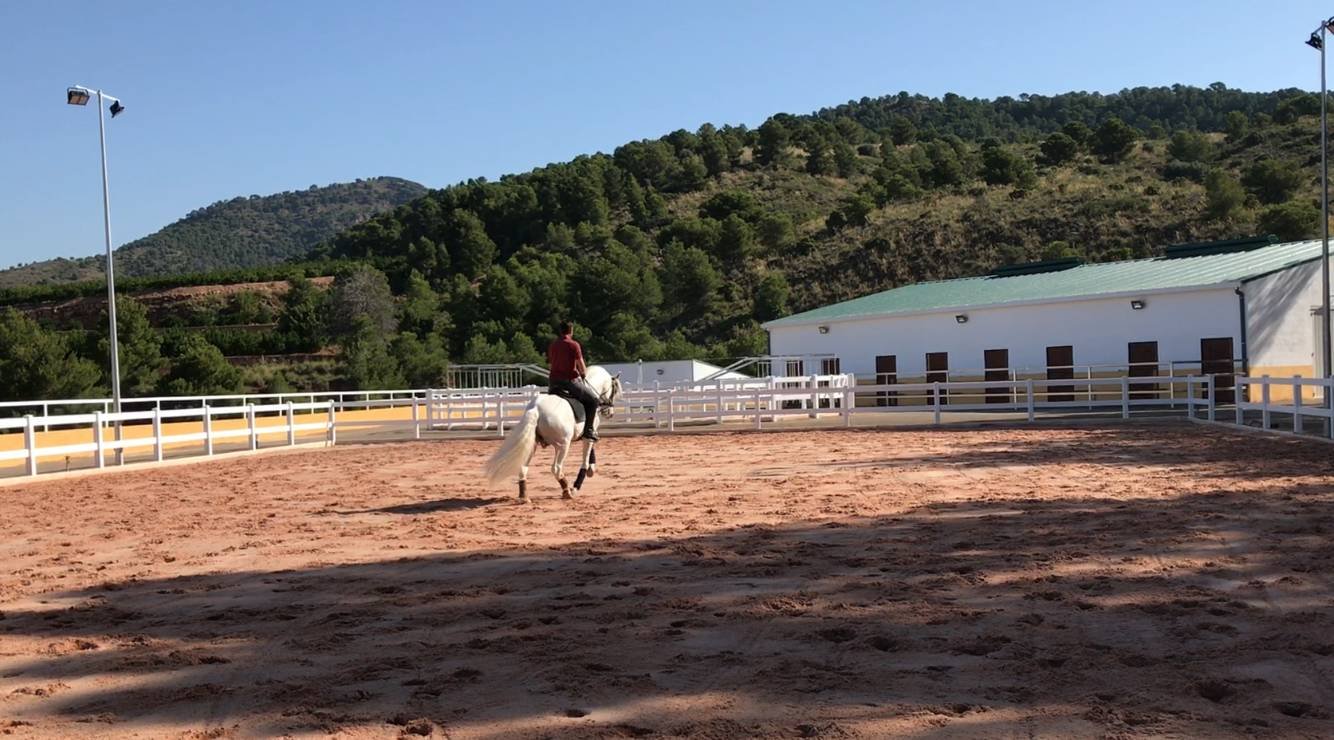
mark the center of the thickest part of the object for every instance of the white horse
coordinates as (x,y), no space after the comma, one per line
(548,420)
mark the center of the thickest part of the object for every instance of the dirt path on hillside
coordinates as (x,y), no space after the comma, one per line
(1133,580)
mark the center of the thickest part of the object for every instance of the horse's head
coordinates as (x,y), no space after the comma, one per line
(613,393)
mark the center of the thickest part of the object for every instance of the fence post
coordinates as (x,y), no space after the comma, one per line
(500,416)
(291,425)
(720,401)
(1125,397)
(208,429)
(657,403)
(1297,404)
(815,396)
(250,423)
(157,433)
(46,413)
(1264,402)
(849,401)
(30,443)
(416,417)
(671,410)
(935,400)
(99,440)
(759,418)
(1212,388)
(1028,398)
(332,433)
(1190,396)
(1243,389)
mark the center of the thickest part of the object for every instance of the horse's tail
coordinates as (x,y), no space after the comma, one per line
(515,450)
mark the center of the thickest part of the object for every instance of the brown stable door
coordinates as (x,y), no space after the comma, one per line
(937,371)
(1061,366)
(1216,360)
(997,363)
(1143,361)
(887,373)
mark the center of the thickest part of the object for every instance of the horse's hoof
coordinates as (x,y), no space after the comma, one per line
(592,471)
(567,495)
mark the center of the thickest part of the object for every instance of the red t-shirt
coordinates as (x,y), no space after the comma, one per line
(561,357)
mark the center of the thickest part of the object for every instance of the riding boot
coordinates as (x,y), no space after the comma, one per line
(590,413)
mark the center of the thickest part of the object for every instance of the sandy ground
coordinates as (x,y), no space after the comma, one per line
(1132,580)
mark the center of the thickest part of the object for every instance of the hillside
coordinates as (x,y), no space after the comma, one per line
(686,243)
(682,246)
(231,234)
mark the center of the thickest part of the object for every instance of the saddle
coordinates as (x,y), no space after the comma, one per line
(576,406)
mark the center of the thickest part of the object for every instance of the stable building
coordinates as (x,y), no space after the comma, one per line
(1246,306)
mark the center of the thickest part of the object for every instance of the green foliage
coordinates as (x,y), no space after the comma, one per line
(366,360)
(689,281)
(845,159)
(37,364)
(302,323)
(819,160)
(1238,125)
(945,168)
(1001,166)
(1271,180)
(139,347)
(775,230)
(199,369)
(1079,132)
(473,249)
(1058,250)
(1059,148)
(1193,171)
(1291,221)
(773,141)
(1224,196)
(771,297)
(1290,110)
(736,242)
(419,311)
(724,203)
(422,362)
(1190,146)
(1113,140)
(361,294)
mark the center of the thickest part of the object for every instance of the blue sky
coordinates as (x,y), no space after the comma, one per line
(227,99)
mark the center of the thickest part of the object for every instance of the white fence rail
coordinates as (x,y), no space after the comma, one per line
(747,403)
(1259,395)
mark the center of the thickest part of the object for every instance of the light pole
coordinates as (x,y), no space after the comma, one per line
(79,95)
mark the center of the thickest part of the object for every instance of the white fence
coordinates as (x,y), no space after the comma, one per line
(1296,409)
(104,430)
(836,399)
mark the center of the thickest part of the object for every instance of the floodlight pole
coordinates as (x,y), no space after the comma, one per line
(111,268)
(1324,216)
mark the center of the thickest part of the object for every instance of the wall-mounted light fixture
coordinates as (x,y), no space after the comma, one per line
(962,318)
(1137,304)
(824,330)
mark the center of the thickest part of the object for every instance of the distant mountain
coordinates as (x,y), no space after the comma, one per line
(237,233)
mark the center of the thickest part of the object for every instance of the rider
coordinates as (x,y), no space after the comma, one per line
(566,360)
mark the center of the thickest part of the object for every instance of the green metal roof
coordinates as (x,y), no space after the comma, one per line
(1080,282)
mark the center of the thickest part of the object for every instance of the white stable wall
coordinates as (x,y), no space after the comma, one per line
(665,371)
(1281,313)
(1098,329)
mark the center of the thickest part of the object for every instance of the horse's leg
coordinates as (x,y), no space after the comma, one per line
(558,467)
(584,469)
(523,475)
